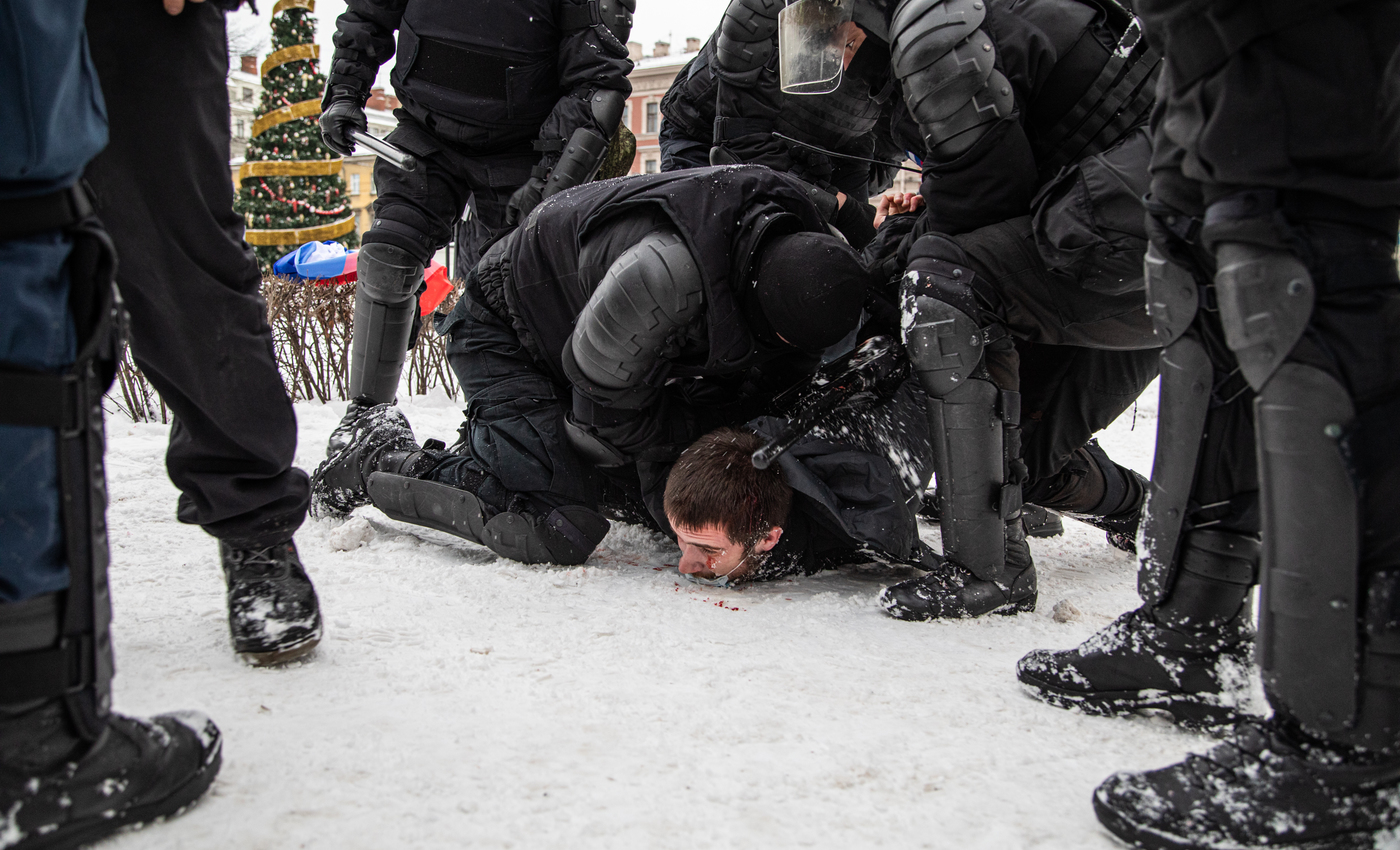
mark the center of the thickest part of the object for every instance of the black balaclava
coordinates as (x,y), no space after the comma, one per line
(871,62)
(810,287)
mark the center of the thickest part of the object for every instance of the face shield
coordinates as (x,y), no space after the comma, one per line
(812,36)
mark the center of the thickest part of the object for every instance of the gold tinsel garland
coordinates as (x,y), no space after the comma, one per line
(268,120)
(284,5)
(292,168)
(297,168)
(300,235)
(295,53)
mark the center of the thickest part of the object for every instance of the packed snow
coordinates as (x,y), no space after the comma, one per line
(462,700)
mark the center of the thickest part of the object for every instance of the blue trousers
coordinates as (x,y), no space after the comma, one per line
(36,332)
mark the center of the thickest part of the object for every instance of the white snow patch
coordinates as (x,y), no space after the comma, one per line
(465,700)
(352,534)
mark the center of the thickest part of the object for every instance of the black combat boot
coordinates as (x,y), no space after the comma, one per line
(1041,523)
(273,613)
(952,591)
(1190,656)
(383,465)
(380,438)
(346,427)
(1269,786)
(63,789)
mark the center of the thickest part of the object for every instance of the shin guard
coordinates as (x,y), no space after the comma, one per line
(385,306)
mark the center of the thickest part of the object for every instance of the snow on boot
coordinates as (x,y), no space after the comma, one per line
(59,791)
(1267,787)
(339,483)
(1191,656)
(952,591)
(343,431)
(273,613)
(1138,663)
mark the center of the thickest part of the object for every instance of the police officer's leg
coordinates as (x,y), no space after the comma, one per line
(493,179)
(198,324)
(1320,343)
(413,217)
(1070,393)
(71,771)
(1186,650)
(975,427)
(512,483)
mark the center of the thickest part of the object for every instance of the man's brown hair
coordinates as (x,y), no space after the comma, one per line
(714,483)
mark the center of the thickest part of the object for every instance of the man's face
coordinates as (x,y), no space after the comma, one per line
(852,37)
(709,553)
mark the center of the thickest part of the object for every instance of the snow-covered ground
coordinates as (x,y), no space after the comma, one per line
(462,700)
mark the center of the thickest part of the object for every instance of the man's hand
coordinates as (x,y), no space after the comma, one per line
(175,7)
(894,203)
(343,115)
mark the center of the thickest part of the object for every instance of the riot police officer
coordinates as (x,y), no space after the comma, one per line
(1020,280)
(1272,282)
(71,770)
(505,102)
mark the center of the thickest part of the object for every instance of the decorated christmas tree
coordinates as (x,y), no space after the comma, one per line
(290,188)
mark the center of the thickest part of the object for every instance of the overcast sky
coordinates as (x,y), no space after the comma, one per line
(656,20)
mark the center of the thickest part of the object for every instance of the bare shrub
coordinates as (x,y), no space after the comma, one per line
(311,330)
(133,395)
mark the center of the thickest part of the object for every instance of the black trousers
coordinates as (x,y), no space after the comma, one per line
(198,323)
(1080,359)
(418,210)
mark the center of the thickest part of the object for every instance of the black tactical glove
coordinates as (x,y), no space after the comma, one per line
(526,198)
(345,113)
(856,221)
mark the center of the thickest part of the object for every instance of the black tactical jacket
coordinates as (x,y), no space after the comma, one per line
(855,119)
(1052,52)
(485,74)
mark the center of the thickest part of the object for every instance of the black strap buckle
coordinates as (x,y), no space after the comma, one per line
(43,400)
(21,217)
(57,671)
(573,17)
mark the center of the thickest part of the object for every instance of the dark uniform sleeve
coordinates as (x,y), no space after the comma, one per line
(592,60)
(748,97)
(364,40)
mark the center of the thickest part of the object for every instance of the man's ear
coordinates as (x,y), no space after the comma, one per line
(769,540)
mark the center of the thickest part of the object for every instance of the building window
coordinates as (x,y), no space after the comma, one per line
(247,95)
(354,184)
(627,115)
(239,129)
(653,117)
(373,185)
(650,166)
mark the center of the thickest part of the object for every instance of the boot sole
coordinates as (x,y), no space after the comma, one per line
(320,507)
(282,656)
(430,504)
(181,800)
(1195,714)
(1151,839)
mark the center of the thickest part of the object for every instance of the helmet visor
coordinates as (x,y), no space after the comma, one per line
(812,37)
